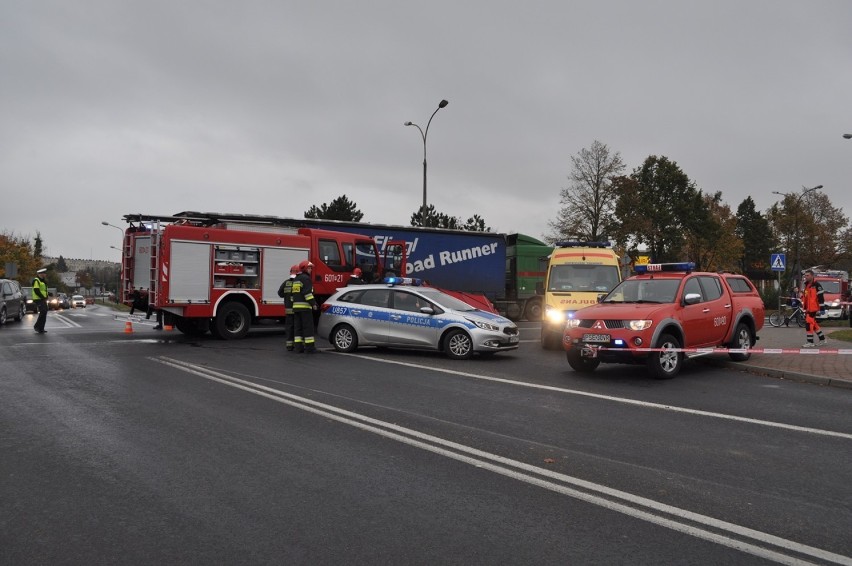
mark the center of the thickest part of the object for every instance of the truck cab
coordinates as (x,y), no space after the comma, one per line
(835,285)
(579,274)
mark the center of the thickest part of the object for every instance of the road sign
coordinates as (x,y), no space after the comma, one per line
(778,262)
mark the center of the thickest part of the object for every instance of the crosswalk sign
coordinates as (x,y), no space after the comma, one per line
(778,262)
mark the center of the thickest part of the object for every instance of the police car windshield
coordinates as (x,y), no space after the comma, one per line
(445,300)
(644,291)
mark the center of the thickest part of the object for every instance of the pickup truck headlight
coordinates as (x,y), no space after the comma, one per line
(572,323)
(639,324)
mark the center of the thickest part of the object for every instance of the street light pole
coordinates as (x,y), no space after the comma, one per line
(120,263)
(423,134)
(797,199)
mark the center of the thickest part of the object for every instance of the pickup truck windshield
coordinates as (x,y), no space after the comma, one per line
(644,291)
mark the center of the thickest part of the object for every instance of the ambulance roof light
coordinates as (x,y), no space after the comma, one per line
(577,244)
(664,267)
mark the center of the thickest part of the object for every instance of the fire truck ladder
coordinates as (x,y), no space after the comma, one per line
(153,283)
(122,293)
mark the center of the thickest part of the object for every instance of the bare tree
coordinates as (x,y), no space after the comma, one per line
(588,203)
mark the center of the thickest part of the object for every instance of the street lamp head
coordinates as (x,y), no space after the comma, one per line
(443,103)
(847,136)
(408,124)
(818,187)
(104,222)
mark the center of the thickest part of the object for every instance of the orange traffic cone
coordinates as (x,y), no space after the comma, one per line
(168,327)
(128,327)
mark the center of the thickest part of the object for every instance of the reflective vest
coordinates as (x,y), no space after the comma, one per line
(39,289)
(285,291)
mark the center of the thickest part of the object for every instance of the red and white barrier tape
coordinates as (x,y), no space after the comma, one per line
(807,351)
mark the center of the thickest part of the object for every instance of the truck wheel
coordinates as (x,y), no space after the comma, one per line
(458,344)
(665,365)
(742,340)
(581,364)
(232,321)
(192,326)
(513,312)
(344,338)
(532,312)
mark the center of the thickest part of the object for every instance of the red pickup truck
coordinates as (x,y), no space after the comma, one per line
(651,317)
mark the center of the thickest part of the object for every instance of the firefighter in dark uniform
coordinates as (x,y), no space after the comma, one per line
(355,278)
(285,291)
(39,296)
(304,304)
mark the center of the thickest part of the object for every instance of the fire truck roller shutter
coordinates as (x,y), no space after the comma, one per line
(276,268)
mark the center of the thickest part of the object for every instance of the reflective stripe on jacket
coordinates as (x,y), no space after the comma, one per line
(303,293)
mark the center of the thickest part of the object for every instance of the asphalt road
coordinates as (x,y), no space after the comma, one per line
(154,448)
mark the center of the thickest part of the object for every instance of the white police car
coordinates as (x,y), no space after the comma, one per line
(398,313)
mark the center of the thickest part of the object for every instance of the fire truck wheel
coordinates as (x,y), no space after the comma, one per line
(344,338)
(742,340)
(232,321)
(666,365)
(192,326)
(581,364)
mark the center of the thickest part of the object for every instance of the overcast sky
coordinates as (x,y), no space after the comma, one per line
(268,107)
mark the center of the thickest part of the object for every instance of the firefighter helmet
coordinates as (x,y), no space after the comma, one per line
(305,265)
(356,272)
(294,269)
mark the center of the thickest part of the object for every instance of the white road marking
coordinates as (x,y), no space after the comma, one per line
(677,519)
(623,400)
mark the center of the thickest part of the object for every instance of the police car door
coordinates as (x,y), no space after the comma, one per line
(370,317)
(408,326)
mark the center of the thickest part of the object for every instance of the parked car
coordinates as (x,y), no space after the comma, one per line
(28,299)
(12,303)
(78,301)
(399,315)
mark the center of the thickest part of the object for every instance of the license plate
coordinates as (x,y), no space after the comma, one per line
(514,339)
(596,338)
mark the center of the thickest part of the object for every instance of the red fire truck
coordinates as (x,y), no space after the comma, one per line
(221,272)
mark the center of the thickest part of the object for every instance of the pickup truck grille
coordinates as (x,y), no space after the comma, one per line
(611,324)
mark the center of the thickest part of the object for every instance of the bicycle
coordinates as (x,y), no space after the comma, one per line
(781,318)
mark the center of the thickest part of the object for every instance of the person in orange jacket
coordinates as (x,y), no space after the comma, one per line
(813,301)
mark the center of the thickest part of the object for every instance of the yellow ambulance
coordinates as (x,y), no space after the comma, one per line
(578,273)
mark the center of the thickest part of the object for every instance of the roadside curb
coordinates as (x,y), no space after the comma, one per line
(783,374)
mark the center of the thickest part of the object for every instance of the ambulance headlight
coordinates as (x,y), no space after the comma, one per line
(554,316)
(639,324)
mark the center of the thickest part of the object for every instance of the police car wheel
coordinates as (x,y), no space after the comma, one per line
(742,340)
(344,338)
(666,365)
(458,344)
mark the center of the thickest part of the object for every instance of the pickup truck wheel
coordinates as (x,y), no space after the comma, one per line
(742,340)
(458,344)
(232,321)
(581,364)
(665,365)
(344,338)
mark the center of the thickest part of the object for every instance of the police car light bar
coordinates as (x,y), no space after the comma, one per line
(659,267)
(390,281)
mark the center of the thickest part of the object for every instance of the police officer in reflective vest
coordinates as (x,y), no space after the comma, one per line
(285,291)
(39,296)
(304,304)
